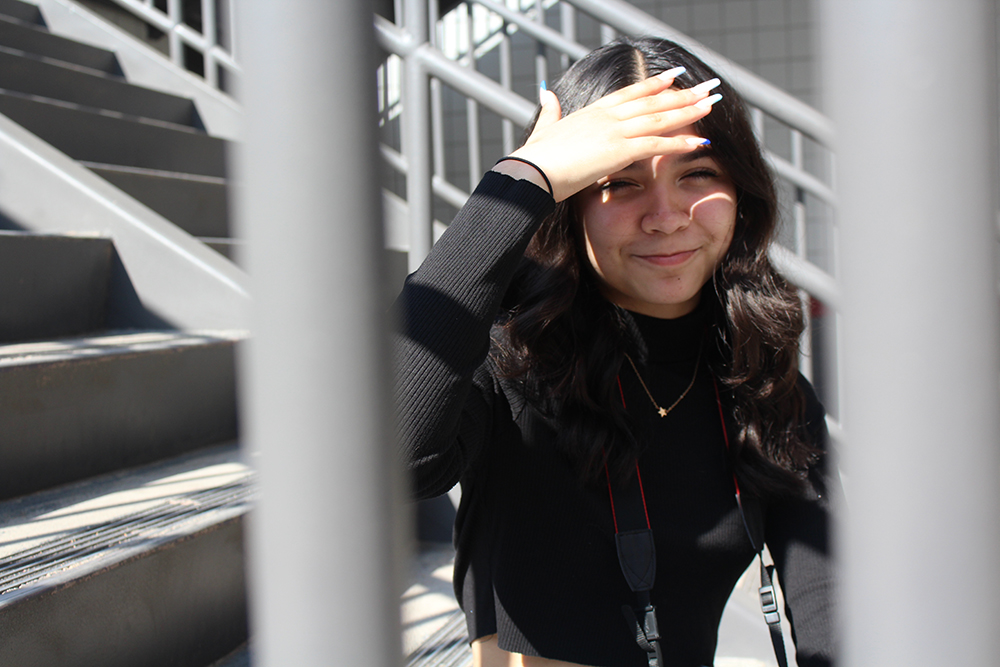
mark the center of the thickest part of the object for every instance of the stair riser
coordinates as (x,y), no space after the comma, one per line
(197,207)
(52,286)
(94,137)
(97,414)
(36,77)
(181,605)
(21,11)
(42,43)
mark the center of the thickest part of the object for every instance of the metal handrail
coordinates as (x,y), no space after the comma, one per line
(542,33)
(628,19)
(478,86)
(180,34)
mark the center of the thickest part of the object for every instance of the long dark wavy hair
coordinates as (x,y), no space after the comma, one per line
(566,342)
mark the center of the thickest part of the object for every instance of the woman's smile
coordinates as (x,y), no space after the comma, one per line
(667,258)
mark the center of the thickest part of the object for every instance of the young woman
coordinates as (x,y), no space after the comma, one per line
(599,351)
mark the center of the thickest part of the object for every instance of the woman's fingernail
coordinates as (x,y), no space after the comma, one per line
(543,85)
(697,141)
(706,86)
(672,73)
(708,101)
(541,93)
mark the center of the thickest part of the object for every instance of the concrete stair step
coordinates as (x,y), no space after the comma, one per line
(32,75)
(138,567)
(37,40)
(108,137)
(22,11)
(79,407)
(197,204)
(53,286)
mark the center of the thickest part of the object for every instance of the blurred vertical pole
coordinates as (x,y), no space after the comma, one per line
(910,84)
(322,579)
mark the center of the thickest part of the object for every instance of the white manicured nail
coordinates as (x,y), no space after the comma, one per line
(672,73)
(708,101)
(697,141)
(706,86)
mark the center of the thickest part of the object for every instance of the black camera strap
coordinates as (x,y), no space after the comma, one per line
(637,558)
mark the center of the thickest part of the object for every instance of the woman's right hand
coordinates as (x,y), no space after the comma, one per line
(628,125)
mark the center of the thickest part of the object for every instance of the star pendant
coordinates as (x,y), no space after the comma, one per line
(663,412)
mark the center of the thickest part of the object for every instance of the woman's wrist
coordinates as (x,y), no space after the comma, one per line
(524,170)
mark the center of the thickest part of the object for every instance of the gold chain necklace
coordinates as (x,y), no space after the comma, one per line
(663,412)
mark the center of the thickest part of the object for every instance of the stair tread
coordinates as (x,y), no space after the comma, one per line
(108,343)
(53,536)
(109,137)
(64,64)
(108,113)
(21,11)
(154,173)
(35,38)
(54,79)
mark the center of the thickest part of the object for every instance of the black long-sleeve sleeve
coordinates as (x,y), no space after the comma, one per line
(445,311)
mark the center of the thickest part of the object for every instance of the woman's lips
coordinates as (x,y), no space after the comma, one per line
(668,259)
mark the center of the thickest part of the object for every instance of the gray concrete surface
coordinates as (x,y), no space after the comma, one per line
(429,602)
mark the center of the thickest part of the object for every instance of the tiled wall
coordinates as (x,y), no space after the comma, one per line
(772,38)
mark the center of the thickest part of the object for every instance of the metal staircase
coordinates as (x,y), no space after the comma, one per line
(149,144)
(122,490)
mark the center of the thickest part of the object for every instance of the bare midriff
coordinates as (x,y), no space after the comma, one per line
(486,652)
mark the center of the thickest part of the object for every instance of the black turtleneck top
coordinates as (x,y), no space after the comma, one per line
(536,561)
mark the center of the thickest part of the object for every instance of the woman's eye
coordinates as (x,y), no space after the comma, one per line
(615,186)
(702,173)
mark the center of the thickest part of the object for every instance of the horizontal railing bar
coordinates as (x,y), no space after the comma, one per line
(542,33)
(478,86)
(758,92)
(147,13)
(806,275)
(442,188)
(188,35)
(801,178)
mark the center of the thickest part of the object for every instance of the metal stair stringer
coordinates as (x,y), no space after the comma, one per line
(178,278)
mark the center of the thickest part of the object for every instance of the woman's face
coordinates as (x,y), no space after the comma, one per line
(655,231)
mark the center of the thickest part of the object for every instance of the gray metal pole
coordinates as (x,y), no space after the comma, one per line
(911,86)
(322,577)
(417,139)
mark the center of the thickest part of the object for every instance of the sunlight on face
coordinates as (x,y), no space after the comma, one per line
(655,231)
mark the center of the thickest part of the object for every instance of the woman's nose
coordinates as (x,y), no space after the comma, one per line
(666,213)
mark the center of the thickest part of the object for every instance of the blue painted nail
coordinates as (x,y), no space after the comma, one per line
(543,85)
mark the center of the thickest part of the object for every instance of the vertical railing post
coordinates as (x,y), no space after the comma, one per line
(208,31)
(472,137)
(541,53)
(917,184)
(507,81)
(417,139)
(437,105)
(802,250)
(567,20)
(174,43)
(323,588)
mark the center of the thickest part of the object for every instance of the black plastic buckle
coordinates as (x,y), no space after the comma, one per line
(769,604)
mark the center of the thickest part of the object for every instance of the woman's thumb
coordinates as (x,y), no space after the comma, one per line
(550,111)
